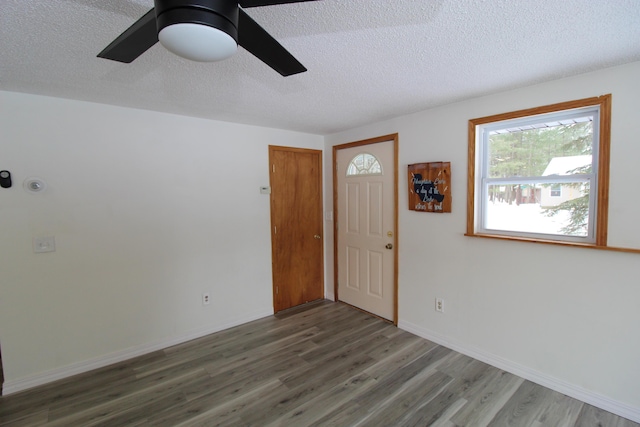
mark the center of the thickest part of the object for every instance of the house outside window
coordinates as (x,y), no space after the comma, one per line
(541,174)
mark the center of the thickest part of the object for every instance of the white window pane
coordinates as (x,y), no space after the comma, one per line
(533,209)
(364,164)
(531,150)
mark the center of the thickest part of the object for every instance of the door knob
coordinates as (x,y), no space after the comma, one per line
(316,236)
(389,246)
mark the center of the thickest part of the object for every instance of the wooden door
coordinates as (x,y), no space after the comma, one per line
(296,226)
(367,226)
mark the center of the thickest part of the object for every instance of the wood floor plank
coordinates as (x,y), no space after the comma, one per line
(430,412)
(227,385)
(98,396)
(591,416)
(395,343)
(216,347)
(352,338)
(321,364)
(399,358)
(399,405)
(562,412)
(389,383)
(526,405)
(63,390)
(484,402)
(210,410)
(470,377)
(114,406)
(295,345)
(363,403)
(330,372)
(33,419)
(332,337)
(325,403)
(347,414)
(332,364)
(275,406)
(139,414)
(445,418)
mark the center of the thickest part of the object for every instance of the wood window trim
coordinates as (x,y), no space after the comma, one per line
(602,208)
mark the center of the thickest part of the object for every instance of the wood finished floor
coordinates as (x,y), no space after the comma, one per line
(324,364)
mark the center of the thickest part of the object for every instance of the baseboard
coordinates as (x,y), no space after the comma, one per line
(14,386)
(584,395)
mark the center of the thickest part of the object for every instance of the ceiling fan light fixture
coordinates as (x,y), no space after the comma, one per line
(198,42)
(203,30)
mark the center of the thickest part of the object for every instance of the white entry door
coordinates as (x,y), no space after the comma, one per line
(366,227)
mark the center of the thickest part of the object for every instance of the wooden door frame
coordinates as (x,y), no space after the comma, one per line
(385,138)
(273,148)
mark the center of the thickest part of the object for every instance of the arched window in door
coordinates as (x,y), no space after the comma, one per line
(364,164)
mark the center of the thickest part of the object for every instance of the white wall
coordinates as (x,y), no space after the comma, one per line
(517,304)
(148,211)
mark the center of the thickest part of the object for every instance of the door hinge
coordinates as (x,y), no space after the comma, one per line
(277,290)
(275,229)
(273,168)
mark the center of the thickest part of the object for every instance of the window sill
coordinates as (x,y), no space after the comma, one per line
(554,242)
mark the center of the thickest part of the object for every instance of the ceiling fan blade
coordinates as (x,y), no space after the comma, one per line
(134,41)
(258,42)
(256,3)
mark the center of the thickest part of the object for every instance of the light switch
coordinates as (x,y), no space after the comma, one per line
(44,244)
(265,190)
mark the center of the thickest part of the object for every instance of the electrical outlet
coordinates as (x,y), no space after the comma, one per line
(440,305)
(205,299)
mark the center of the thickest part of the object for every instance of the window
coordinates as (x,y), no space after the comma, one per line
(364,164)
(556,190)
(541,174)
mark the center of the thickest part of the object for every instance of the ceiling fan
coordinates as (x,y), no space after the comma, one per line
(204,30)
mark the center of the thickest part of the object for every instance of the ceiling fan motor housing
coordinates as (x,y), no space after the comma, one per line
(220,14)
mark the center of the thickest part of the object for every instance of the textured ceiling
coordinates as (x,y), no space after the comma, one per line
(368,60)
